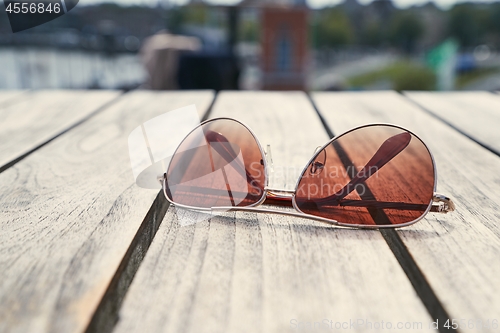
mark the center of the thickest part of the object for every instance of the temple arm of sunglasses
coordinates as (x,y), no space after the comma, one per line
(386,152)
(441,204)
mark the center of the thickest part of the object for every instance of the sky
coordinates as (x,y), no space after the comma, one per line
(445,4)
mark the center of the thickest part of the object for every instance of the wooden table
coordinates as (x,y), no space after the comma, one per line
(83,249)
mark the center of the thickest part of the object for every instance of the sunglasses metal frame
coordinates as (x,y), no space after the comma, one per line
(438,204)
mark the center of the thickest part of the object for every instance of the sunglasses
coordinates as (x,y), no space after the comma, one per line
(373,176)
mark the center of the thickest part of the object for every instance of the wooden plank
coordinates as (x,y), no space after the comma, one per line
(458,253)
(247,272)
(69,214)
(7,96)
(42,115)
(476,114)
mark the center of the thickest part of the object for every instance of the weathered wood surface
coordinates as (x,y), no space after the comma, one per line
(458,253)
(8,96)
(71,210)
(38,116)
(477,114)
(71,214)
(248,272)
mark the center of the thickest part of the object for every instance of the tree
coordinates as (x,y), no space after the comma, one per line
(196,14)
(494,23)
(495,17)
(372,34)
(468,24)
(405,30)
(176,17)
(250,31)
(334,28)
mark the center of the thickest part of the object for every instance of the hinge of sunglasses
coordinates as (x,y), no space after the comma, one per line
(161,177)
(442,204)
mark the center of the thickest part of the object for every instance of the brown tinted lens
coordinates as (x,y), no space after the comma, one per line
(374,175)
(219,164)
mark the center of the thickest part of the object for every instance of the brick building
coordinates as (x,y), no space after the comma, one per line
(284,44)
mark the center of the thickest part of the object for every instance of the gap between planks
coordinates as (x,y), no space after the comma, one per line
(106,314)
(458,252)
(453,109)
(61,132)
(217,277)
(71,310)
(405,259)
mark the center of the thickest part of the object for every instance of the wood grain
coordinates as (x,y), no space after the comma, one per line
(8,96)
(247,272)
(69,214)
(477,114)
(38,116)
(459,253)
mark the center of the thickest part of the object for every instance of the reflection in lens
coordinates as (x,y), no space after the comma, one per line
(374,175)
(219,164)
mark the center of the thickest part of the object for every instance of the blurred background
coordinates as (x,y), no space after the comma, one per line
(258,44)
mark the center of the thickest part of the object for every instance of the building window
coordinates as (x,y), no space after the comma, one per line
(284,51)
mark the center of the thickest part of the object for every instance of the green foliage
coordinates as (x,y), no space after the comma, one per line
(334,28)
(467,78)
(250,31)
(405,30)
(196,14)
(469,24)
(199,14)
(402,75)
(175,19)
(494,18)
(414,78)
(373,34)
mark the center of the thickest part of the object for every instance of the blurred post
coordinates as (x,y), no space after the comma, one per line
(233,24)
(160,56)
(442,59)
